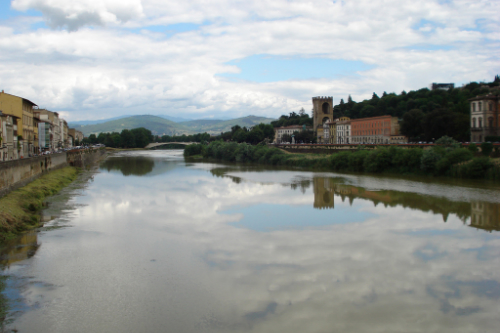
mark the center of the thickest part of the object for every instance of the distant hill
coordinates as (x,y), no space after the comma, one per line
(73,124)
(213,126)
(161,126)
(157,125)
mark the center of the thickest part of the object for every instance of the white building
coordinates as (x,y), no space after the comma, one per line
(343,129)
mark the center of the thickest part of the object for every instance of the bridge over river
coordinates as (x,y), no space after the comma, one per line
(157,144)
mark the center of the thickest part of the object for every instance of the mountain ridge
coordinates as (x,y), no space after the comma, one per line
(158,125)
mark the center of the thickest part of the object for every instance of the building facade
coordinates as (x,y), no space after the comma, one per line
(332,127)
(343,130)
(484,113)
(278,132)
(21,109)
(322,111)
(373,130)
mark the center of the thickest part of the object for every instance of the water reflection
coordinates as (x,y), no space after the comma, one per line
(18,249)
(476,214)
(485,215)
(137,166)
(213,248)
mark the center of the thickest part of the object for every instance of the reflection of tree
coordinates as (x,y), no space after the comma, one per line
(137,166)
(302,183)
(483,215)
(19,249)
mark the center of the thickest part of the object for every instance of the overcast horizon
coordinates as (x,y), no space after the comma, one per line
(89,59)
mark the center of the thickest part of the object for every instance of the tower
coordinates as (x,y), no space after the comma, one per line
(323,110)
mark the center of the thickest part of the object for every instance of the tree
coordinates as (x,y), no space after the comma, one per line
(412,124)
(235,128)
(127,139)
(302,112)
(92,139)
(438,123)
(255,136)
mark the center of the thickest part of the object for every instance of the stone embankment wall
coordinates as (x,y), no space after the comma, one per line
(17,173)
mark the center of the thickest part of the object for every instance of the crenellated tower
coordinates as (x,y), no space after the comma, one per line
(323,110)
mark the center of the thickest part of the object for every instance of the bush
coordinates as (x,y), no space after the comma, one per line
(477,168)
(340,161)
(473,148)
(195,149)
(429,160)
(356,160)
(486,148)
(453,157)
(378,160)
(244,153)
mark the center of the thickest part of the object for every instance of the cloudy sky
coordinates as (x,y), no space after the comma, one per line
(97,59)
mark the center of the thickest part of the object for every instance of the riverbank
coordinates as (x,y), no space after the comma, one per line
(449,161)
(19,210)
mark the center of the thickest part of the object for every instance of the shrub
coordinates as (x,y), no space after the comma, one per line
(486,148)
(453,157)
(356,160)
(194,149)
(477,168)
(378,160)
(429,160)
(473,148)
(244,153)
(340,161)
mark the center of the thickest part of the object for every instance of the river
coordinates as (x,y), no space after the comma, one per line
(151,243)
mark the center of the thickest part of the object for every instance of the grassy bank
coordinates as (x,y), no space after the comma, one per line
(448,159)
(19,209)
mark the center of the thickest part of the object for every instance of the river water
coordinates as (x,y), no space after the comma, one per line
(152,243)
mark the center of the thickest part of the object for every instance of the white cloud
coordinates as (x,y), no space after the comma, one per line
(117,59)
(75,14)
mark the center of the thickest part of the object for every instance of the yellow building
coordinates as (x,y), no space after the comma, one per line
(22,109)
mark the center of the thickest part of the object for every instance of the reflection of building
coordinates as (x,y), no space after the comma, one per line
(485,215)
(323,193)
(19,249)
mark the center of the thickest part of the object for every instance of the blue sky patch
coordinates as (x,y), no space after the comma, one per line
(428,47)
(267,68)
(170,30)
(268,217)
(6,12)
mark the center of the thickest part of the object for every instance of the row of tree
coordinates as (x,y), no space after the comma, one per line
(134,138)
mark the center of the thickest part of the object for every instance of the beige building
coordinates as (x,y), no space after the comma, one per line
(484,113)
(21,110)
(278,131)
(77,136)
(332,128)
(322,111)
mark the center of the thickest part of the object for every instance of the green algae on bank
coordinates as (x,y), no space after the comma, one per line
(19,209)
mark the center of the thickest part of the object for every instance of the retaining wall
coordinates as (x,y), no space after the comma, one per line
(17,173)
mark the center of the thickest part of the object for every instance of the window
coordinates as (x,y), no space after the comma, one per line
(473,107)
(480,122)
(473,122)
(479,107)
(491,106)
